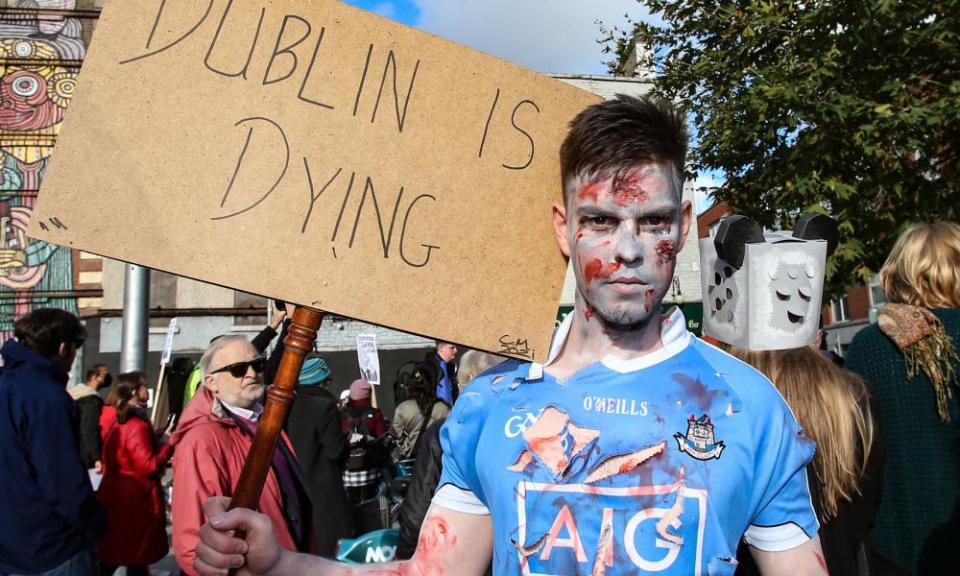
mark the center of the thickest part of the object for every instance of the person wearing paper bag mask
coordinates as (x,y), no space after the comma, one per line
(637,447)
(762,295)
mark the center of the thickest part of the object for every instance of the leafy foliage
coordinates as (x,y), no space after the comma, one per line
(847,107)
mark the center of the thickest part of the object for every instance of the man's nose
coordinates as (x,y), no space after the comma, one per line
(629,247)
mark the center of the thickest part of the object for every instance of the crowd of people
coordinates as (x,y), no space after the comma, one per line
(104,487)
(635,447)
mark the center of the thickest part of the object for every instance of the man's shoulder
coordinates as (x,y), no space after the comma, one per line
(491,380)
(747,382)
(483,390)
(90,402)
(33,387)
(207,434)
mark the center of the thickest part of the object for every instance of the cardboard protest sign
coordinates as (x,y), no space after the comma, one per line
(317,153)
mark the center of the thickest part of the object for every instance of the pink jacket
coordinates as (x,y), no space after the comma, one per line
(209,455)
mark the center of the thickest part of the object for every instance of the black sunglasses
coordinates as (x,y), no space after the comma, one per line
(239,369)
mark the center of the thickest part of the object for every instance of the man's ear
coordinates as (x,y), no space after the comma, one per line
(63,350)
(560,228)
(210,382)
(686,217)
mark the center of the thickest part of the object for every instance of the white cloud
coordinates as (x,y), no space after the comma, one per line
(554,36)
(385,9)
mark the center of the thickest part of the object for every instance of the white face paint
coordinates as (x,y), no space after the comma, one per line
(623,234)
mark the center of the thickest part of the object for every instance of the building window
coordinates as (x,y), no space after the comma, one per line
(251,301)
(841,309)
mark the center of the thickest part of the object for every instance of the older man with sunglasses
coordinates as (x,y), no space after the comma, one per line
(212,440)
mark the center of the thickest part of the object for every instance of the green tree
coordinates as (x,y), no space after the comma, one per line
(847,107)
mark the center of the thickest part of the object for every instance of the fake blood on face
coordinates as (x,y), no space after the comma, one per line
(597,269)
(629,189)
(666,251)
(591,191)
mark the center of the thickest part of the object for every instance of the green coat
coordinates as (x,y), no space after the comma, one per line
(918,524)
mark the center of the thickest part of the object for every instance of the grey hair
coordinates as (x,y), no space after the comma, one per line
(210,353)
(473,363)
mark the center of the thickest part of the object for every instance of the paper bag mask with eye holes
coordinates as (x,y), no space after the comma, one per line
(762,290)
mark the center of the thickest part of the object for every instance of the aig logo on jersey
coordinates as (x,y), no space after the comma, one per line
(584,529)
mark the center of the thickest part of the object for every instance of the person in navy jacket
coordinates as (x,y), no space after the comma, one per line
(51,520)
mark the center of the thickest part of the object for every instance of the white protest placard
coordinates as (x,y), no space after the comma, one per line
(368,359)
(318,153)
(168,342)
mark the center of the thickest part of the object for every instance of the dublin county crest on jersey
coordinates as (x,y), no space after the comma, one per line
(700,441)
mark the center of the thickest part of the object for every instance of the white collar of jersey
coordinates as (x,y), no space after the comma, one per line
(674,338)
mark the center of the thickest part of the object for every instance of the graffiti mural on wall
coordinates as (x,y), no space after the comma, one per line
(41,47)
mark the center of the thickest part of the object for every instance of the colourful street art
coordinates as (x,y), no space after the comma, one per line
(41,48)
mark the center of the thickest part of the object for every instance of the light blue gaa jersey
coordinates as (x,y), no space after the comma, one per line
(658,464)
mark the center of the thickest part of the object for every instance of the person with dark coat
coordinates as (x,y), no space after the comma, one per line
(90,406)
(911,360)
(365,426)
(133,463)
(443,370)
(423,482)
(316,434)
(51,519)
(846,475)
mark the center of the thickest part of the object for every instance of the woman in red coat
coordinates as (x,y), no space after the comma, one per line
(133,463)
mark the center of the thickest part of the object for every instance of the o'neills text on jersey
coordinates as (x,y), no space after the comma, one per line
(621,406)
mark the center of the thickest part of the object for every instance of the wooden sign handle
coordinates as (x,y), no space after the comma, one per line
(299,341)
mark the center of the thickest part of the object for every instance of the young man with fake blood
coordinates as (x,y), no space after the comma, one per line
(636,448)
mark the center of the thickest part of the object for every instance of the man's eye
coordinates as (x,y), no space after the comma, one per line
(657,222)
(599,221)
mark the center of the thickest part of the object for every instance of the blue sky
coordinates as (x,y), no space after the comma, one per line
(558,36)
(403,11)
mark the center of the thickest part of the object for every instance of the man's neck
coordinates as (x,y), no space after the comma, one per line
(590,339)
(252,413)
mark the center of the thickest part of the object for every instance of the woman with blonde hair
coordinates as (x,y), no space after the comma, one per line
(909,359)
(845,476)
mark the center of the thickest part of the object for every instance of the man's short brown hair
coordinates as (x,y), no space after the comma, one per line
(45,329)
(621,134)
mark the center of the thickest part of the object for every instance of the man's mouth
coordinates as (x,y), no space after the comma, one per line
(629,286)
